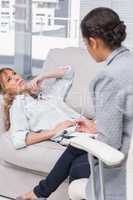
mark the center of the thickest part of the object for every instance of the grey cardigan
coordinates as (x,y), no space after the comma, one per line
(112,93)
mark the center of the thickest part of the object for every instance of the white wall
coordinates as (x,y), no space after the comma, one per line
(88,5)
(123,7)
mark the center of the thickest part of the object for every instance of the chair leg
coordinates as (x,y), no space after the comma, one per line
(92,177)
(101,177)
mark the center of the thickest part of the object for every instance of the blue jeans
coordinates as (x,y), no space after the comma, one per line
(73,164)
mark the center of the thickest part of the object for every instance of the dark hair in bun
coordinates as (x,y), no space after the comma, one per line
(104,23)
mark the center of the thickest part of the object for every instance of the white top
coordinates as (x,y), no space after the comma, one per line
(33,115)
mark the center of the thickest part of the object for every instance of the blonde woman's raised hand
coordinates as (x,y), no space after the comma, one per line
(34,86)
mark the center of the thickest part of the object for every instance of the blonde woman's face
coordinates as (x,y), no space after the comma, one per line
(13,82)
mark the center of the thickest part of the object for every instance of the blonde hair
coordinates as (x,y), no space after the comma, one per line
(8,99)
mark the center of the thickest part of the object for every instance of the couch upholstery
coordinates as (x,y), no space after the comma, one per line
(2,127)
(27,166)
(85,69)
(38,157)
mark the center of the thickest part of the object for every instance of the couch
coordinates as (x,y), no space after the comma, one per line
(21,170)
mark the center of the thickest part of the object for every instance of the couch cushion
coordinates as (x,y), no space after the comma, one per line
(85,70)
(40,157)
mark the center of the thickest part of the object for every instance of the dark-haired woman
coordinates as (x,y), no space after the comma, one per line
(111,90)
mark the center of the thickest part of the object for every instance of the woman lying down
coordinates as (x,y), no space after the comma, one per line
(35,118)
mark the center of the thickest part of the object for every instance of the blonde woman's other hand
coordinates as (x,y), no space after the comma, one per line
(64,125)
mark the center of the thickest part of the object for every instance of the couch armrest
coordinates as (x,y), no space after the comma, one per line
(102,151)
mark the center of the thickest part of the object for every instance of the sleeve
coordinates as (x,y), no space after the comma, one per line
(108,115)
(62,85)
(19,124)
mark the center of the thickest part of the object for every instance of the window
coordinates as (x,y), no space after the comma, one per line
(5,13)
(7,32)
(40,15)
(49,20)
(55,25)
(5,4)
(41,5)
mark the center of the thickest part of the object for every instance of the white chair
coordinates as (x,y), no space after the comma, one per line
(105,155)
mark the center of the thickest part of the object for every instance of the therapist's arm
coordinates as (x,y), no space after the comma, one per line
(109,114)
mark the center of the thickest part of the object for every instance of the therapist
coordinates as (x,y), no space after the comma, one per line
(111,90)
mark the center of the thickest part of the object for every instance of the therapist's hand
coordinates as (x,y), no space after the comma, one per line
(85,125)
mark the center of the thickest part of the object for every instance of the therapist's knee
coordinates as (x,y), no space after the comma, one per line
(77,189)
(79,170)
